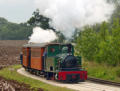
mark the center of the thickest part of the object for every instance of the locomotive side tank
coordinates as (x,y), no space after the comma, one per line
(54,60)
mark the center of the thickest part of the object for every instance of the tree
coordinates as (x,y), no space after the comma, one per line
(39,20)
(87,43)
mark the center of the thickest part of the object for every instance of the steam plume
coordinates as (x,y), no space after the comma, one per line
(67,15)
(42,36)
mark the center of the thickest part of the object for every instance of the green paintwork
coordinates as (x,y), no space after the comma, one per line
(72,50)
(56,60)
(52,54)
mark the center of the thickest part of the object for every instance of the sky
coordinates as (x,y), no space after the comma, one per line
(17,11)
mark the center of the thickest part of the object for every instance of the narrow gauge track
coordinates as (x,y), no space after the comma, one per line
(103,81)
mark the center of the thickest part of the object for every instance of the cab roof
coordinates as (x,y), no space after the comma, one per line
(42,44)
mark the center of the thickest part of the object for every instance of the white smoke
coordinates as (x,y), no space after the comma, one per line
(42,36)
(67,15)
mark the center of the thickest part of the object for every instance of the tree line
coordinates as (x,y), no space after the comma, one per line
(13,31)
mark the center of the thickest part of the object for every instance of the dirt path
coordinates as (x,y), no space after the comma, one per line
(83,86)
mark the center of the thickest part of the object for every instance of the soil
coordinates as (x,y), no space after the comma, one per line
(9,55)
(9,52)
(11,85)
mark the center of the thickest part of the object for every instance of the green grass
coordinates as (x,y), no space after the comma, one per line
(11,74)
(102,71)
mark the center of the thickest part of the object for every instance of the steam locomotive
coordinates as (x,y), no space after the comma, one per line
(54,61)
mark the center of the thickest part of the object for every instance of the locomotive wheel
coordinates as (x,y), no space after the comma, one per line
(29,70)
(47,76)
(50,76)
(37,73)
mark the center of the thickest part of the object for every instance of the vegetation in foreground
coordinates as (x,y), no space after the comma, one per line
(102,71)
(10,73)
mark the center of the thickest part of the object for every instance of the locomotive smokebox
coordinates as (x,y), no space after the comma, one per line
(69,62)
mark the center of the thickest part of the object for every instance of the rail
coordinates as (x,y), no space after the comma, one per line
(103,81)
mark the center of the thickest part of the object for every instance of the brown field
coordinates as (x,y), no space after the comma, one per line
(9,52)
(9,55)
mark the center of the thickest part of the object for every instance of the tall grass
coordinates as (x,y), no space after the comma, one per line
(102,71)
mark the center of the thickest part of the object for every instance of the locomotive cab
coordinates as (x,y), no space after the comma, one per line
(54,54)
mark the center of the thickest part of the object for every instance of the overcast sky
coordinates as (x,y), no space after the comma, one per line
(17,10)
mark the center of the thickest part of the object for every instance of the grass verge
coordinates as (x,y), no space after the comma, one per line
(10,73)
(102,71)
